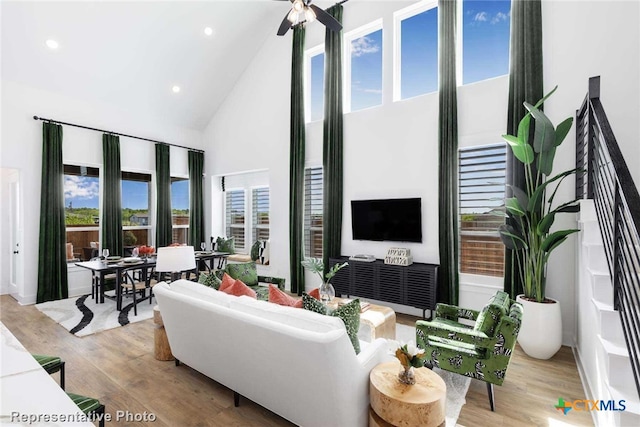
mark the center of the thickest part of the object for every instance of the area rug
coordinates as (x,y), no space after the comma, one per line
(457,385)
(82,316)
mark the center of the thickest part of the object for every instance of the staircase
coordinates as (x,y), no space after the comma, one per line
(601,352)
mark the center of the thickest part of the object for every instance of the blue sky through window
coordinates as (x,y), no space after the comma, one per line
(135,194)
(180,194)
(485,34)
(419,54)
(317,87)
(81,191)
(366,71)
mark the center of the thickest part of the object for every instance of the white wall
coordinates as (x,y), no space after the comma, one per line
(21,148)
(5,232)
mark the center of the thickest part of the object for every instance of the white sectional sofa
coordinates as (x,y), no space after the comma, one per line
(296,363)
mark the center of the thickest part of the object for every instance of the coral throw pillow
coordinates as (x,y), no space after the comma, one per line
(280,297)
(315,293)
(227,281)
(238,289)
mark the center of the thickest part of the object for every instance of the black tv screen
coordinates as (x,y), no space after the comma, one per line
(398,220)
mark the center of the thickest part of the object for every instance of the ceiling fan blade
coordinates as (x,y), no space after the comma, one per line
(284,26)
(328,20)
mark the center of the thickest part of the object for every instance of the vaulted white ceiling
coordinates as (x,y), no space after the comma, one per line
(130,54)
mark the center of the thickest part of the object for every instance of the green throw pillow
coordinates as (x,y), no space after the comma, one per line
(349,313)
(210,280)
(244,271)
(226,245)
(255,251)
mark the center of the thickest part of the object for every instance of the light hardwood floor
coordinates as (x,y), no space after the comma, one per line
(118,367)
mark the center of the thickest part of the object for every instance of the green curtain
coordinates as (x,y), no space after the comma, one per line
(196,204)
(163,199)
(52,259)
(332,142)
(448,155)
(296,163)
(525,85)
(112,193)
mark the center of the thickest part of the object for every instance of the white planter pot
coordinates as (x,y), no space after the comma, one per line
(541,330)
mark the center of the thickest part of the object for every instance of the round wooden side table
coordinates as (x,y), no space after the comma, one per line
(162,349)
(397,404)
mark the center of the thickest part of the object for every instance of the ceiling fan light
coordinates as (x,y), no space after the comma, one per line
(309,15)
(293,17)
(298,6)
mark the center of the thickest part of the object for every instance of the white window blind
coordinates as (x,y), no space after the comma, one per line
(481,200)
(313,212)
(260,208)
(235,214)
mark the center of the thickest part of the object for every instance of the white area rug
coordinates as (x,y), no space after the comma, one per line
(82,316)
(457,385)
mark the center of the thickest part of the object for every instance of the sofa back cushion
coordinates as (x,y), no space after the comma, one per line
(199,291)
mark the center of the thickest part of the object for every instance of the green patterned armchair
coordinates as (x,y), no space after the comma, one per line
(482,350)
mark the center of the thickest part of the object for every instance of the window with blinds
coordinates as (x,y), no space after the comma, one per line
(235,214)
(260,208)
(313,212)
(481,202)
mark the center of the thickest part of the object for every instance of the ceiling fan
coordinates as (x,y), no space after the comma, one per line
(304,11)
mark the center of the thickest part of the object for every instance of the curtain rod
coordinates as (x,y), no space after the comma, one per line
(115,133)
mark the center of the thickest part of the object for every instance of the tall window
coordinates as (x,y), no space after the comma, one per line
(416,51)
(364,67)
(81,208)
(235,215)
(315,84)
(485,34)
(180,209)
(313,212)
(481,190)
(136,197)
(260,209)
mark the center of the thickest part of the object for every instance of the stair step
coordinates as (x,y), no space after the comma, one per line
(601,287)
(617,366)
(590,231)
(609,325)
(596,259)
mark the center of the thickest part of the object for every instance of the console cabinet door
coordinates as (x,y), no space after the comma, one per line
(391,283)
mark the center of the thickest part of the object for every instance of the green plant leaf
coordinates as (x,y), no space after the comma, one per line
(545,224)
(522,151)
(545,161)
(510,238)
(555,239)
(523,129)
(544,98)
(514,207)
(562,130)
(522,197)
(544,135)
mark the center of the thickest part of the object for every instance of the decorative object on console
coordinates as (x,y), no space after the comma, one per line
(315,265)
(175,259)
(410,356)
(398,256)
(362,257)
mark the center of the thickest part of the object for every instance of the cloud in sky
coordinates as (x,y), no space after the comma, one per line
(500,17)
(486,17)
(377,91)
(363,46)
(481,16)
(80,187)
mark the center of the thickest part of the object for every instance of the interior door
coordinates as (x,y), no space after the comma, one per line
(15,230)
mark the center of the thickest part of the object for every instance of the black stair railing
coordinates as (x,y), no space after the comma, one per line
(608,182)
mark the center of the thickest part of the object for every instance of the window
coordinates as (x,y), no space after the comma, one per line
(313,212)
(315,84)
(363,67)
(260,208)
(81,208)
(180,209)
(481,189)
(235,217)
(136,219)
(485,39)
(416,51)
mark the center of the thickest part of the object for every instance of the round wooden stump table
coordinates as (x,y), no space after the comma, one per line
(397,404)
(162,348)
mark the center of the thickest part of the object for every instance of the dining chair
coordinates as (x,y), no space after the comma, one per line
(138,279)
(51,364)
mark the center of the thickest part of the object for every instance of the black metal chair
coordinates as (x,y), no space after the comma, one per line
(135,281)
(51,364)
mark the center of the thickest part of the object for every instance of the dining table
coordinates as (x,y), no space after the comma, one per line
(101,268)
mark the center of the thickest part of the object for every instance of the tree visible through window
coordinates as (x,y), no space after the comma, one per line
(180,209)
(81,208)
(136,221)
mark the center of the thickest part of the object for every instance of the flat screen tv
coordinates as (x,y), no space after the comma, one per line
(398,220)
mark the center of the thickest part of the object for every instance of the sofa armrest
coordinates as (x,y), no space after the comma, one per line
(453,312)
(443,332)
(376,352)
(278,281)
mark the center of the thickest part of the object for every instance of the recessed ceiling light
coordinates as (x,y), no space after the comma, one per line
(208,31)
(175,89)
(52,44)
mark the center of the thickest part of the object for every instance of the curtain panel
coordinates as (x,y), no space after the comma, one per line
(196,204)
(164,227)
(52,254)
(448,283)
(296,163)
(112,191)
(332,148)
(525,85)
